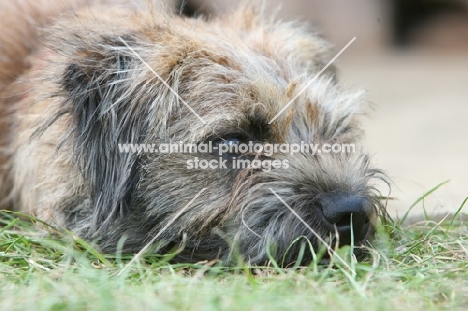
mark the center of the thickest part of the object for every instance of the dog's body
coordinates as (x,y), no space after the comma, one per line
(72,89)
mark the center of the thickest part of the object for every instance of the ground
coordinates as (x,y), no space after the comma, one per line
(420,267)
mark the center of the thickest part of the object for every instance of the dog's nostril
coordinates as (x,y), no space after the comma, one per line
(340,210)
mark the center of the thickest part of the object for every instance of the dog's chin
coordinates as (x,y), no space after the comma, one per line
(359,247)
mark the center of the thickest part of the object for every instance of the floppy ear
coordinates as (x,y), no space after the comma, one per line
(104,110)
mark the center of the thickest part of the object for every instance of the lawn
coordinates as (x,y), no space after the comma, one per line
(423,266)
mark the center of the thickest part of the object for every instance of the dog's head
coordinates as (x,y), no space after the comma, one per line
(239,80)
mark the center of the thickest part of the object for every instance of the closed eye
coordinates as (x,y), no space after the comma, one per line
(230,143)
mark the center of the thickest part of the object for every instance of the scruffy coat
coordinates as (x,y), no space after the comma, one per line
(71,91)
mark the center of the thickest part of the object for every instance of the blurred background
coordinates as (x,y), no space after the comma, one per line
(412,57)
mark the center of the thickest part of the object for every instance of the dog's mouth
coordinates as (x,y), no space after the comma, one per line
(359,243)
(350,235)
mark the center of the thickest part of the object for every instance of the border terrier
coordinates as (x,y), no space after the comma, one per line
(80,78)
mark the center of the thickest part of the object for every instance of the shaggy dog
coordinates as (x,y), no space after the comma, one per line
(79,79)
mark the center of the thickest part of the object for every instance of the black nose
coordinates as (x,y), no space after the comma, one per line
(341,210)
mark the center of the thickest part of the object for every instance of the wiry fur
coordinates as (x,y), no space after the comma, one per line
(77,92)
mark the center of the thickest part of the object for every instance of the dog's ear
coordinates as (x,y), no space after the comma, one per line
(104,110)
(294,43)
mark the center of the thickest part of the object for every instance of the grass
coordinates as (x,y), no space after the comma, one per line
(419,267)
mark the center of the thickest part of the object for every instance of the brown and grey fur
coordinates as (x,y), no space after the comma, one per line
(70,91)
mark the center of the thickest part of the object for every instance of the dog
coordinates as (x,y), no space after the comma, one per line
(81,79)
